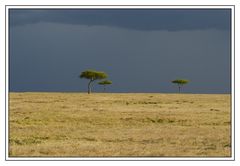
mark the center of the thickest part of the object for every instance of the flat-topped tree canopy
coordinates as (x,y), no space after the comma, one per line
(93,75)
(105,82)
(180,81)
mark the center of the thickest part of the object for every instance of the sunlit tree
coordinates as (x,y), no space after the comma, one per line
(180,83)
(104,83)
(92,75)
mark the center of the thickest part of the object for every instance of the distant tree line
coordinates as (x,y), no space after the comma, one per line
(93,75)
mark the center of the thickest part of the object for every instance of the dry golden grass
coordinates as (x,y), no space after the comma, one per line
(147,124)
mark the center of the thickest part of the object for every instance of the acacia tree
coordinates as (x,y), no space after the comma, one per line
(180,83)
(92,75)
(104,83)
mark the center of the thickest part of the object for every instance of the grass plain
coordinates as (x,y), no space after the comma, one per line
(119,124)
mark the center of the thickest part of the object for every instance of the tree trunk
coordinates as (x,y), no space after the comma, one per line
(89,86)
(179,89)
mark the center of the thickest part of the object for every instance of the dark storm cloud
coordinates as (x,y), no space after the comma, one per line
(141,50)
(49,57)
(135,19)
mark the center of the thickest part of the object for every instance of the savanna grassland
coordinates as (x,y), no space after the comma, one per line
(120,124)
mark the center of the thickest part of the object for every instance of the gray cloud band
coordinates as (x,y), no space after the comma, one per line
(135,19)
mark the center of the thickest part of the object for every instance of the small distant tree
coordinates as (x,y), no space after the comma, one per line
(92,75)
(104,83)
(180,83)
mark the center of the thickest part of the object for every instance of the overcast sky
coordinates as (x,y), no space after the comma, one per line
(142,50)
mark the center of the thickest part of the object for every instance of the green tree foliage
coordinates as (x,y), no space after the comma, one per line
(180,83)
(92,75)
(104,83)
